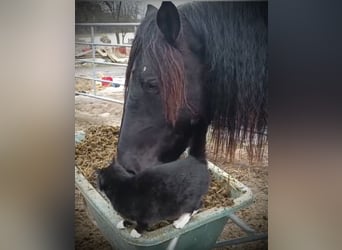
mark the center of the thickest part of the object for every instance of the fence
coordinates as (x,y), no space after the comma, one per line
(93,46)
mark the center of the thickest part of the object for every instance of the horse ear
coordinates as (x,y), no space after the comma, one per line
(150,9)
(168,21)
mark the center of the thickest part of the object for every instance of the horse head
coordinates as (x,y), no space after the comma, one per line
(203,63)
(161,108)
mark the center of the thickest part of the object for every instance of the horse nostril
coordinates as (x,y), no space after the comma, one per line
(194,121)
(130,171)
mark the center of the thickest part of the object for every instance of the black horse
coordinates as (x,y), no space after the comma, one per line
(201,67)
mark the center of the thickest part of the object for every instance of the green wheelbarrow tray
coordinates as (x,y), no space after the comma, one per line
(200,233)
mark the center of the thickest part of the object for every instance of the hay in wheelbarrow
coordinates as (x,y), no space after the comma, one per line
(98,148)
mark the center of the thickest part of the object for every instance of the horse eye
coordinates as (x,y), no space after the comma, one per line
(150,86)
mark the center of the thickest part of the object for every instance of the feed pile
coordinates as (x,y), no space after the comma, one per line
(99,147)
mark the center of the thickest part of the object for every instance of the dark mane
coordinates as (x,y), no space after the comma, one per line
(234,37)
(235,41)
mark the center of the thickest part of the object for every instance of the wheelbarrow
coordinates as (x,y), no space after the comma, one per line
(201,232)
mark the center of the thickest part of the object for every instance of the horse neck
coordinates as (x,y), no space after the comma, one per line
(198,140)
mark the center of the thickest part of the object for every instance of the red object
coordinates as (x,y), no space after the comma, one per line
(108,78)
(122,50)
(86,49)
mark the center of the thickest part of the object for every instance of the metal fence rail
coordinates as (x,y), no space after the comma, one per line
(108,24)
(93,61)
(100,97)
(104,63)
(104,44)
(97,79)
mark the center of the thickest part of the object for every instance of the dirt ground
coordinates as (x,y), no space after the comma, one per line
(90,111)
